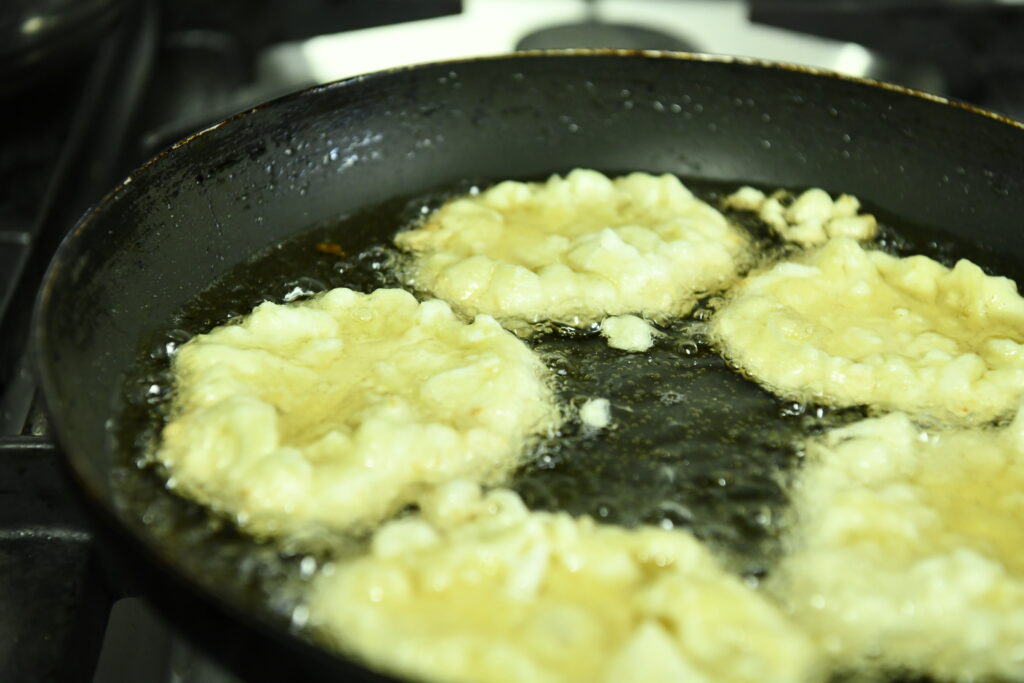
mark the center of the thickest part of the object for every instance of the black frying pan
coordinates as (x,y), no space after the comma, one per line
(192,214)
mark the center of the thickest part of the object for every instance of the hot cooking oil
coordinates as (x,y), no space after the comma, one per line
(691,444)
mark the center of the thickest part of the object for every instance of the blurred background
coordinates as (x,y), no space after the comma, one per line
(89,89)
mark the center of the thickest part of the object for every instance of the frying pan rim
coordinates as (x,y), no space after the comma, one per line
(574,52)
(90,213)
(73,456)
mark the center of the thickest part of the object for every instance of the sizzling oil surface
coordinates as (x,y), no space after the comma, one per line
(692,444)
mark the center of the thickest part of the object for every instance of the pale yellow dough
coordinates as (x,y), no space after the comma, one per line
(339,410)
(596,413)
(811,219)
(846,326)
(628,332)
(906,548)
(480,589)
(575,249)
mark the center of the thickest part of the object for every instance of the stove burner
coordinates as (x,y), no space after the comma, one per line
(595,33)
(600,34)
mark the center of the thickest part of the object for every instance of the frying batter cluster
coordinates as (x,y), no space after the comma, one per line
(810,219)
(479,588)
(575,249)
(336,412)
(905,550)
(844,325)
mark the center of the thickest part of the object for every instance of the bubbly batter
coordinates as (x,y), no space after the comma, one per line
(847,326)
(337,411)
(575,249)
(906,548)
(480,589)
(811,219)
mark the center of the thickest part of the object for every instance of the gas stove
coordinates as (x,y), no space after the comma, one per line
(162,71)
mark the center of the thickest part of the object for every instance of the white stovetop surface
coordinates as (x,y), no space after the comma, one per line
(487,27)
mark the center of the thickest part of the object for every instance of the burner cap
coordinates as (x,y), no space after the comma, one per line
(600,34)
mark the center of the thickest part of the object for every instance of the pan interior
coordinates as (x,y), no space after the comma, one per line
(693,444)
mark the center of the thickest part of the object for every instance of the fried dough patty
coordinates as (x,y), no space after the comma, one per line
(575,249)
(905,549)
(478,588)
(846,326)
(339,410)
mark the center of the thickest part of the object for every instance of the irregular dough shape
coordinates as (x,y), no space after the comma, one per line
(596,413)
(811,219)
(905,550)
(575,249)
(628,332)
(481,589)
(848,326)
(339,410)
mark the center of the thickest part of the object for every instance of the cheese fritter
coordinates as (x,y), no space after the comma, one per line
(905,548)
(479,589)
(337,411)
(846,326)
(575,249)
